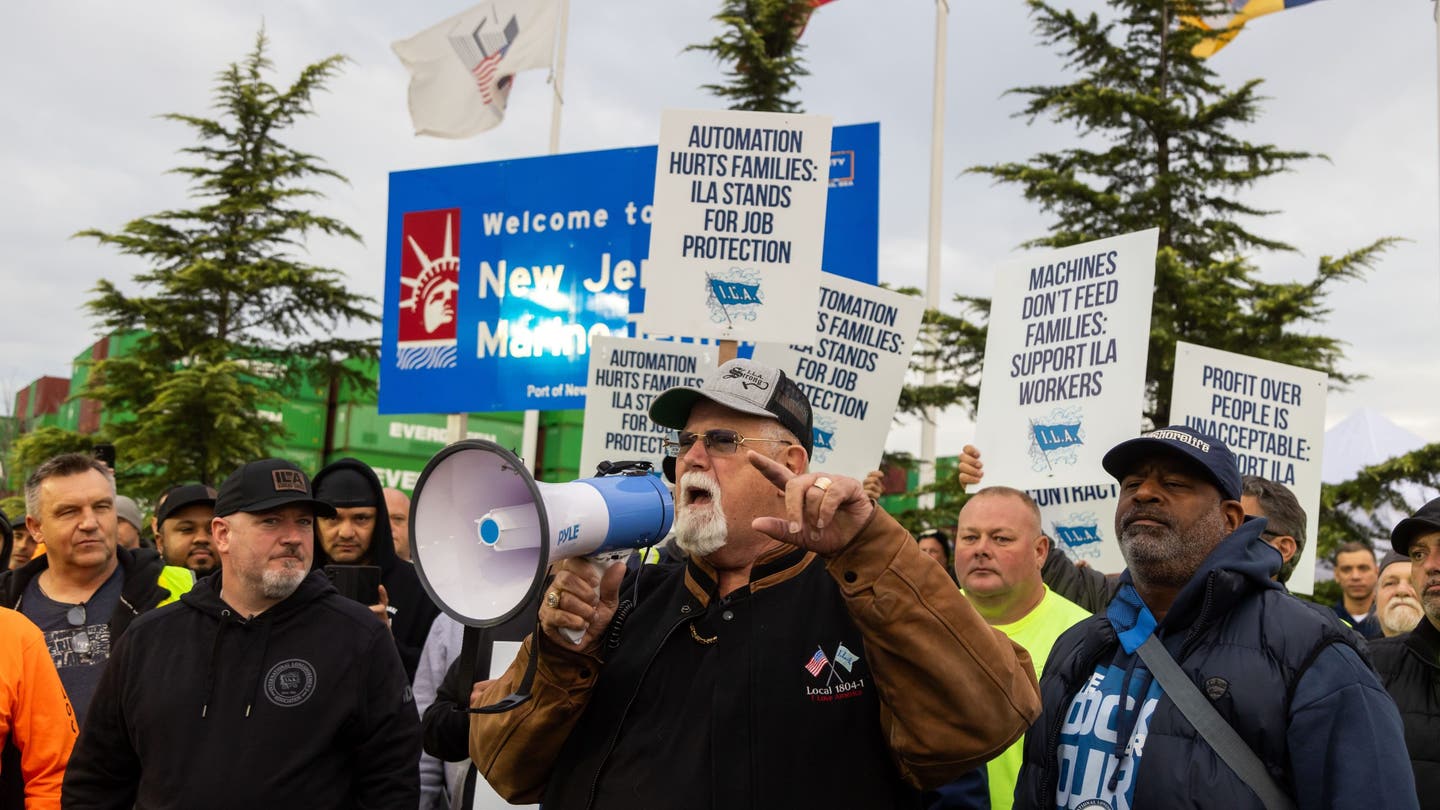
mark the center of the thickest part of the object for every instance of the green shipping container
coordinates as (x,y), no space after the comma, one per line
(360,393)
(304,423)
(361,428)
(560,447)
(306,458)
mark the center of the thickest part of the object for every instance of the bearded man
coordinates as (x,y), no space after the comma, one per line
(806,654)
(1198,592)
(263,687)
(1397,604)
(1409,664)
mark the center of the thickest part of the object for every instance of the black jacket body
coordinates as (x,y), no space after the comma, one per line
(139,590)
(1409,666)
(305,705)
(760,701)
(411,611)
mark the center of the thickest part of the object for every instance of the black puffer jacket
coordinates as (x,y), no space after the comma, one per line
(1409,666)
(411,610)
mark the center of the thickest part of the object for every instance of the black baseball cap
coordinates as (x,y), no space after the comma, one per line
(1214,458)
(1424,521)
(181,496)
(745,386)
(269,483)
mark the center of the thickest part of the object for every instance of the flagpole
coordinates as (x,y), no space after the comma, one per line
(530,437)
(558,99)
(932,270)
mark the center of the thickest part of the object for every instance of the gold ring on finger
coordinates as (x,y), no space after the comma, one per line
(553,599)
(822,483)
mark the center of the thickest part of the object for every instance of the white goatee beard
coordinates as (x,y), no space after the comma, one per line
(700,530)
(1400,616)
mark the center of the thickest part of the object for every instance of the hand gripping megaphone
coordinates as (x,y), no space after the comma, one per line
(484,531)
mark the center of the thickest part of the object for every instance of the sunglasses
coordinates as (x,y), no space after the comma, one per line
(720,441)
(80,642)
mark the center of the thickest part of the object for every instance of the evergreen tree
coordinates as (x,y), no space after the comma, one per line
(1160,144)
(761,46)
(233,318)
(1169,154)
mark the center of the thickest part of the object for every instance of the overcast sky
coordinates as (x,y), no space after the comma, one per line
(85,81)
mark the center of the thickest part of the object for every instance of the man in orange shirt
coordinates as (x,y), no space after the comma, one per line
(37,724)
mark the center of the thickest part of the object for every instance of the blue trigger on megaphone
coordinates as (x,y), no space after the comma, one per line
(484,531)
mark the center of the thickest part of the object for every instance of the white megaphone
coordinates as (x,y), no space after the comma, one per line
(484,531)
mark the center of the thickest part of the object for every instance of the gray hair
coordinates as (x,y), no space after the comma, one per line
(61,466)
(1283,513)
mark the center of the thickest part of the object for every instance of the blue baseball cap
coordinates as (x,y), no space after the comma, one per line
(1209,453)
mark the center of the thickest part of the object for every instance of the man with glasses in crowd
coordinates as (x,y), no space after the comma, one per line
(86,589)
(806,654)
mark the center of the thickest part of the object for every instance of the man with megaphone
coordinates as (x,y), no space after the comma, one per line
(806,654)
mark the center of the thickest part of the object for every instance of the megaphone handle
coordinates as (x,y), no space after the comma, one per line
(598,565)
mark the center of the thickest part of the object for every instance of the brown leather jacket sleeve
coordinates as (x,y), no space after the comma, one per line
(954,692)
(516,750)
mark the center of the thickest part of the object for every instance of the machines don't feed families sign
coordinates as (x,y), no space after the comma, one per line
(1064,376)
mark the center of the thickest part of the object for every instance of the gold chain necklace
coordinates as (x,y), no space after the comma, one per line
(699,639)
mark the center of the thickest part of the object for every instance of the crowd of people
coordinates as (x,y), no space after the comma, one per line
(793,647)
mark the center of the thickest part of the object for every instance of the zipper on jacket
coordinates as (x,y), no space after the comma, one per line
(610,746)
(1199,626)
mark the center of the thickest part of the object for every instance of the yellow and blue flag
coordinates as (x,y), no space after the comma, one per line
(1227,26)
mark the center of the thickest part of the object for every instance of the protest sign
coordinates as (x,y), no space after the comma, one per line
(625,377)
(1064,376)
(498,274)
(851,369)
(1270,415)
(1081,521)
(735,243)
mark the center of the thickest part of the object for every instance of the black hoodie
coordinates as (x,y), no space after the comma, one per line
(305,705)
(411,611)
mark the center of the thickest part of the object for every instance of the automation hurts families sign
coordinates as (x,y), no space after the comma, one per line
(851,369)
(740,202)
(1064,376)
(499,275)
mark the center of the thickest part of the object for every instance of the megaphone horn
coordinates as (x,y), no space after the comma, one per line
(484,531)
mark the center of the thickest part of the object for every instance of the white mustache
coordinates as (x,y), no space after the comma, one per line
(697,480)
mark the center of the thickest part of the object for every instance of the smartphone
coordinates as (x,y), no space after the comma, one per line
(358,582)
(106,454)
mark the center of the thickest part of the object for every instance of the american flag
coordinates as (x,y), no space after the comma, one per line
(817,663)
(484,72)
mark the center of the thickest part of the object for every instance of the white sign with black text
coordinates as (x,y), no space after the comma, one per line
(852,370)
(739,224)
(625,377)
(1270,415)
(1064,376)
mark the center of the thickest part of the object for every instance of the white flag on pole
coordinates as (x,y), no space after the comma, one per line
(461,70)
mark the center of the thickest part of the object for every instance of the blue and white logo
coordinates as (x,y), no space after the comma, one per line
(1053,439)
(1079,529)
(822,437)
(733,295)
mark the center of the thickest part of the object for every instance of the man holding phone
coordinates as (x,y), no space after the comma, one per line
(359,534)
(262,688)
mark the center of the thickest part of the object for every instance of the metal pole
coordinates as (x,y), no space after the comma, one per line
(932,266)
(530,436)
